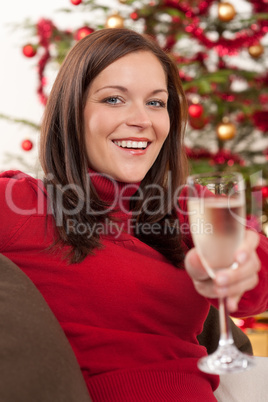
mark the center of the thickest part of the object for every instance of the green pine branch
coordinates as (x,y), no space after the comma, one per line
(20,121)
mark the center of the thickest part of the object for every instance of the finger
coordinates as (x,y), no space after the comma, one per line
(232,303)
(227,277)
(195,267)
(249,244)
(205,288)
(238,288)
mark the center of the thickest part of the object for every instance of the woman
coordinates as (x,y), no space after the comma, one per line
(101,237)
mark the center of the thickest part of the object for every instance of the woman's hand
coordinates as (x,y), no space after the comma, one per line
(230,283)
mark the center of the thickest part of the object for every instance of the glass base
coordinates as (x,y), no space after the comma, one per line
(226,359)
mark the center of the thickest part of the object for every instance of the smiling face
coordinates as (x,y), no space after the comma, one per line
(126,120)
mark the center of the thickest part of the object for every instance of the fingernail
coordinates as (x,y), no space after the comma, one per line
(241,257)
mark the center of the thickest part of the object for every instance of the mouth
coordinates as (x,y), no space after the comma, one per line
(132,144)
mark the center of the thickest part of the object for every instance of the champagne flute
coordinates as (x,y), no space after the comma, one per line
(216,207)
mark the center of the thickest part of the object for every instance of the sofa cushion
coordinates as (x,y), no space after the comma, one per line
(210,335)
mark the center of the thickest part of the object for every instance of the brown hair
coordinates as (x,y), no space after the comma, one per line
(62,146)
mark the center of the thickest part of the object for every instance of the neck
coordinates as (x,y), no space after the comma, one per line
(117,194)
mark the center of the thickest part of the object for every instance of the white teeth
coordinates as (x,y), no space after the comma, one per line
(131,144)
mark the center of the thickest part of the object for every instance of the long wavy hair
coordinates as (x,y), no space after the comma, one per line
(63,153)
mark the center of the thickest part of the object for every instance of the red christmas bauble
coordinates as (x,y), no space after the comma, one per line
(26,145)
(134,16)
(76,2)
(198,122)
(195,110)
(253,222)
(263,99)
(29,50)
(264,191)
(83,32)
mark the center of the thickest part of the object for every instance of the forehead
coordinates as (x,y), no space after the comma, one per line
(140,65)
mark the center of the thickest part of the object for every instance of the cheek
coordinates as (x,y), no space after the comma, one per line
(99,125)
(93,126)
(164,127)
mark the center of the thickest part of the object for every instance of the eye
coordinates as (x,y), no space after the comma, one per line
(157,103)
(112,100)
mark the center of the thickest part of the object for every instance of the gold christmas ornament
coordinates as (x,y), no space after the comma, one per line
(256,51)
(115,21)
(226,130)
(122,1)
(226,12)
(265,228)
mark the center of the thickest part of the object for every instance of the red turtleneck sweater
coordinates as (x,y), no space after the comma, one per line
(131,317)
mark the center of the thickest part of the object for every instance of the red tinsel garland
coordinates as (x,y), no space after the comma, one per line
(44,29)
(260,6)
(200,57)
(226,156)
(219,158)
(184,7)
(225,46)
(260,119)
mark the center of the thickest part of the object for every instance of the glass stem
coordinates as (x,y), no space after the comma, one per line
(226,337)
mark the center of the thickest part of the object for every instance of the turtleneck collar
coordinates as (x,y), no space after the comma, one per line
(112,191)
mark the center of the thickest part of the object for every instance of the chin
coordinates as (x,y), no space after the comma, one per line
(130,178)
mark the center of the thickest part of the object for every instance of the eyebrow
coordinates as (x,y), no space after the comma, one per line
(124,89)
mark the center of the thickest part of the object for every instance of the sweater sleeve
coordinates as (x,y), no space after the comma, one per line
(19,201)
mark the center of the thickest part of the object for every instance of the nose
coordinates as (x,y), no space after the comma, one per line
(138,116)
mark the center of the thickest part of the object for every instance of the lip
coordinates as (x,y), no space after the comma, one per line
(134,151)
(132,139)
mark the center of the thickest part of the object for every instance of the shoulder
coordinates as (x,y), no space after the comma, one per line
(22,197)
(22,180)
(20,191)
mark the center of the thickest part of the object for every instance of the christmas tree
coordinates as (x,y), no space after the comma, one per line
(220,50)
